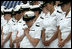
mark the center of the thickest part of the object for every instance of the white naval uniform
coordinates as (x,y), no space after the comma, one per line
(35,32)
(56,7)
(18,26)
(3,21)
(6,31)
(65,27)
(50,23)
(60,10)
(41,17)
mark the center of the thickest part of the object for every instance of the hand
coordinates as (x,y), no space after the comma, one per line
(26,30)
(47,43)
(61,44)
(17,39)
(2,43)
(17,45)
(11,45)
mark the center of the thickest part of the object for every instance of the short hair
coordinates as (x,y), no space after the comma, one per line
(64,2)
(50,1)
(24,2)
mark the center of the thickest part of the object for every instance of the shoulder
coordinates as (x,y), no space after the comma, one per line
(59,11)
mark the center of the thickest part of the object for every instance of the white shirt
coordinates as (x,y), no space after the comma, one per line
(60,10)
(65,25)
(56,7)
(35,32)
(3,21)
(18,26)
(50,24)
(7,28)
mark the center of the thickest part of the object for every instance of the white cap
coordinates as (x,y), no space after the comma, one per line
(3,8)
(17,8)
(8,10)
(30,13)
(41,2)
(34,6)
(24,5)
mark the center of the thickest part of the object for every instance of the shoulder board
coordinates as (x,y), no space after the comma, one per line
(19,22)
(13,20)
(32,30)
(24,24)
(41,17)
(59,11)
(37,25)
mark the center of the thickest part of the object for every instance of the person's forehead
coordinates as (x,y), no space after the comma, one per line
(35,1)
(7,14)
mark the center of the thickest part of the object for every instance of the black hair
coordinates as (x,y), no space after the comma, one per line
(28,19)
(36,9)
(24,2)
(50,1)
(42,6)
(25,9)
(63,3)
(31,3)
(16,12)
(8,13)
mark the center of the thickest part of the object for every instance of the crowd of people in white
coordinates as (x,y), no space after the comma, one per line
(36,24)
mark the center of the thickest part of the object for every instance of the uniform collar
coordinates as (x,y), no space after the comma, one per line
(18,21)
(47,15)
(10,21)
(54,13)
(61,10)
(69,14)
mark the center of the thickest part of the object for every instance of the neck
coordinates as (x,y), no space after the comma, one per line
(17,19)
(8,20)
(36,13)
(52,11)
(63,9)
(67,12)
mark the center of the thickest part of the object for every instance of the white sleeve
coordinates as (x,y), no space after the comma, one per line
(37,32)
(40,24)
(59,17)
(25,25)
(10,28)
(38,28)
